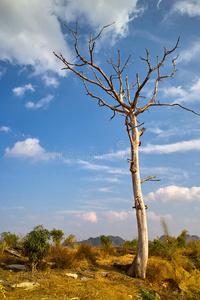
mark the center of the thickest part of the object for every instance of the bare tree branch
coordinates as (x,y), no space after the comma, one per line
(150,178)
(175,104)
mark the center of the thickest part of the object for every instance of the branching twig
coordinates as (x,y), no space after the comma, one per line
(175,104)
(150,178)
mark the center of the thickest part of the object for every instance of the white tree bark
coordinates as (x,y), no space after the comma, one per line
(139,265)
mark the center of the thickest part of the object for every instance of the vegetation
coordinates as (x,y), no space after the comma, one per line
(57,235)
(70,241)
(173,270)
(36,244)
(105,242)
(8,240)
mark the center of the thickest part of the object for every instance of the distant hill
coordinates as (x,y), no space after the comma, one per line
(116,241)
(193,238)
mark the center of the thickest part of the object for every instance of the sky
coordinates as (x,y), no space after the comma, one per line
(63,162)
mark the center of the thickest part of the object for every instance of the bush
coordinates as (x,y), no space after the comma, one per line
(61,256)
(181,239)
(158,270)
(86,251)
(9,240)
(36,244)
(157,248)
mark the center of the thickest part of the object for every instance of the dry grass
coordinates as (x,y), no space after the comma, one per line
(103,280)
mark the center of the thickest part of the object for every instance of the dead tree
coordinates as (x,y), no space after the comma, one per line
(130,103)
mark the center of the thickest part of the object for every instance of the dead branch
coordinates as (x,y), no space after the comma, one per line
(150,178)
(175,104)
(142,131)
(159,78)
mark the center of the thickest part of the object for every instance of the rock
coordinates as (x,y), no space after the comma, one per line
(86,278)
(26,284)
(16,267)
(75,276)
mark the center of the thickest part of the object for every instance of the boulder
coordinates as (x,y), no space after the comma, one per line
(16,267)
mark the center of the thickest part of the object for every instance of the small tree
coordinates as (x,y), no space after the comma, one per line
(9,240)
(36,244)
(128,100)
(70,240)
(105,241)
(181,239)
(57,235)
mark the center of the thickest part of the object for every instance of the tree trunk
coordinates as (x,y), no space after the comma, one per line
(139,265)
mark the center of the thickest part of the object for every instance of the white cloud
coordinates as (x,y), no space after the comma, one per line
(2,71)
(114,216)
(120,154)
(172,148)
(30,148)
(181,94)
(43,103)
(20,91)
(12,207)
(153,217)
(105,190)
(89,217)
(34,30)
(95,167)
(158,4)
(5,129)
(174,194)
(104,179)
(33,27)
(191,53)
(99,13)
(90,166)
(189,7)
(50,81)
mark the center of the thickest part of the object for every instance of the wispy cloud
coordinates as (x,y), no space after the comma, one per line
(174,194)
(12,207)
(179,94)
(43,103)
(189,7)
(102,179)
(90,166)
(50,81)
(120,154)
(158,4)
(105,190)
(20,91)
(182,146)
(5,129)
(191,53)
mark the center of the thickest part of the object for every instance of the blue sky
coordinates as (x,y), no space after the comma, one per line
(62,161)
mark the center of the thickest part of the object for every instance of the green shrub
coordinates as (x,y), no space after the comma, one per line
(9,240)
(157,248)
(148,294)
(105,242)
(36,244)
(57,235)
